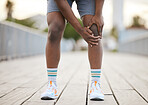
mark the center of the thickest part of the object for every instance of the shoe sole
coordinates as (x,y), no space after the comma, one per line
(47,98)
(97,99)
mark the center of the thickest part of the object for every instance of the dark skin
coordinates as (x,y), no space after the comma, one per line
(85,32)
(98,18)
(56,24)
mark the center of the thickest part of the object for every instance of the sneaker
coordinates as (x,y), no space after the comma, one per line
(50,93)
(96,92)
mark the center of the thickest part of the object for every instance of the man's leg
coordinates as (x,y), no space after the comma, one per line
(95,59)
(56,25)
(94,54)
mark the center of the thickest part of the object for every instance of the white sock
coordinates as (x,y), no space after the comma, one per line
(95,75)
(52,75)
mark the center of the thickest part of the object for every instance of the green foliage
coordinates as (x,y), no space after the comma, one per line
(45,30)
(114,33)
(114,50)
(138,22)
(71,33)
(25,22)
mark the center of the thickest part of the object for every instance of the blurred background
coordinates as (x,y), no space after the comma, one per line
(23,28)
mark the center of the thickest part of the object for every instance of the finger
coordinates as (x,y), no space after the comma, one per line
(90,24)
(98,28)
(95,40)
(101,36)
(95,37)
(90,35)
(90,45)
(88,27)
(93,43)
(89,31)
(101,29)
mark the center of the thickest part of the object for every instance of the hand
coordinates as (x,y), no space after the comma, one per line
(98,20)
(87,35)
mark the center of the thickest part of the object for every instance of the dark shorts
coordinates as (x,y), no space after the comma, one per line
(85,7)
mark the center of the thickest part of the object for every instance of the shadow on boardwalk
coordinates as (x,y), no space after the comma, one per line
(124,80)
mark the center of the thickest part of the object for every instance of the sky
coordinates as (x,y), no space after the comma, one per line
(27,8)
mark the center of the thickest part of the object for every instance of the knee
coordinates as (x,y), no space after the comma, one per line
(55,32)
(94,29)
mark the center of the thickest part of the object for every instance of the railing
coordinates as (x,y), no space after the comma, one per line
(137,45)
(18,41)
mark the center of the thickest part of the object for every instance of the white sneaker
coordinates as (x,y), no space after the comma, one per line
(50,93)
(96,92)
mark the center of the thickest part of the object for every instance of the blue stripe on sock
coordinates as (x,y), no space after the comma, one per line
(52,70)
(96,76)
(95,71)
(52,75)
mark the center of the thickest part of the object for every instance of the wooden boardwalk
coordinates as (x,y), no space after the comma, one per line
(124,80)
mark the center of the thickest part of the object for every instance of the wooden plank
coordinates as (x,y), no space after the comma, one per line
(23,90)
(135,72)
(17,96)
(129,97)
(6,88)
(17,68)
(115,79)
(65,73)
(19,74)
(75,92)
(137,83)
(109,100)
(36,98)
(124,73)
(20,94)
(105,86)
(37,103)
(13,84)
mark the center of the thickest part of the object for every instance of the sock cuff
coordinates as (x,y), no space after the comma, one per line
(95,69)
(95,73)
(52,68)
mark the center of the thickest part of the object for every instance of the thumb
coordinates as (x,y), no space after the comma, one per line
(90,24)
(99,28)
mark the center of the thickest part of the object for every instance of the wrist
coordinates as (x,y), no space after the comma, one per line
(98,14)
(80,30)
(78,27)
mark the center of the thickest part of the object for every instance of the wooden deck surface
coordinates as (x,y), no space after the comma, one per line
(124,80)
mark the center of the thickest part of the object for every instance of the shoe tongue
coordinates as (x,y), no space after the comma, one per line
(95,83)
(51,84)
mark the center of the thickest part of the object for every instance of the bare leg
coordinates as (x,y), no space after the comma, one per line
(56,25)
(94,53)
